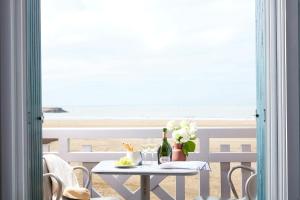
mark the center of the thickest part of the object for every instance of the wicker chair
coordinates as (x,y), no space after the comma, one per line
(47,183)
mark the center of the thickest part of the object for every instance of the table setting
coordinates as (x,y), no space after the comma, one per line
(166,160)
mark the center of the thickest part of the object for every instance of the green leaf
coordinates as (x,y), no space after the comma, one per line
(189,146)
(185,151)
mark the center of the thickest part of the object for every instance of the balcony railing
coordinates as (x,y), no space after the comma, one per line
(224,157)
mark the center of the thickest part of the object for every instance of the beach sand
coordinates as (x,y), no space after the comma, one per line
(192,183)
(143,123)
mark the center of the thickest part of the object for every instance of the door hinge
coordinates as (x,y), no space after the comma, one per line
(41,117)
(264,114)
(256,114)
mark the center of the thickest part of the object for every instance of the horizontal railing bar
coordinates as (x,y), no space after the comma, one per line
(232,157)
(93,156)
(213,157)
(228,132)
(92,133)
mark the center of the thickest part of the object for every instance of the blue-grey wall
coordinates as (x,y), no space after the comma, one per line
(5,102)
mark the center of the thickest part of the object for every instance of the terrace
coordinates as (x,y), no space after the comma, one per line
(150,60)
(221,147)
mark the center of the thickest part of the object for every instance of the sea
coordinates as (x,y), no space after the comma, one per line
(153,112)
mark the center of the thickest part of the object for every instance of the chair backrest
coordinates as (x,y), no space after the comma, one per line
(251,183)
(47,183)
(250,187)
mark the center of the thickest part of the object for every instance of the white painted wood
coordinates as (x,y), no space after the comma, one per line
(162,194)
(108,167)
(89,166)
(224,169)
(95,193)
(46,148)
(232,157)
(204,184)
(98,133)
(245,174)
(154,182)
(204,134)
(122,178)
(213,157)
(180,187)
(204,155)
(119,187)
(127,194)
(281,27)
(63,143)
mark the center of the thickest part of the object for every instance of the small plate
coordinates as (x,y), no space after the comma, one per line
(125,166)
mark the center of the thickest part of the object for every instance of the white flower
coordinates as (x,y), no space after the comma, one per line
(184,124)
(171,125)
(181,136)
(193,136)
(183,133)
(176,135)
(185,137)
(193,128)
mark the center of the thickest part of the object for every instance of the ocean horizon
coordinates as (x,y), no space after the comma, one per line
(153,112)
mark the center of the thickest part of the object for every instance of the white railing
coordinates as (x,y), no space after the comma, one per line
(224,157)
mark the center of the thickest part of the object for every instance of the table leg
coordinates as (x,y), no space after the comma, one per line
(145,187)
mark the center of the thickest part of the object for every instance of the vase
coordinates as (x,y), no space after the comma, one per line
(177,153)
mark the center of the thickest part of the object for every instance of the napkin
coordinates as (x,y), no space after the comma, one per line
(196,165)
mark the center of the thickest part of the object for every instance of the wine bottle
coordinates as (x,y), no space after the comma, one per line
(164,153)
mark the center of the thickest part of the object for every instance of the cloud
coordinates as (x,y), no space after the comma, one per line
(111,45)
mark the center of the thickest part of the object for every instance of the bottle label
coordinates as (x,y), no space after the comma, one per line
(164,159)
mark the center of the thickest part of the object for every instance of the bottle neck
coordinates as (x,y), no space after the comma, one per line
(164,136)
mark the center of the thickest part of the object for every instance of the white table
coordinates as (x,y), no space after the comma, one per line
(106,169)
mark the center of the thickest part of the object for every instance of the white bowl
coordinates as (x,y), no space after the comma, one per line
(135,156)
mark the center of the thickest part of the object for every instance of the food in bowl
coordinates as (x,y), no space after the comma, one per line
(124,161)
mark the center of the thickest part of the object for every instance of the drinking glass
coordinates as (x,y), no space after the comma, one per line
(145,150)
(152,150)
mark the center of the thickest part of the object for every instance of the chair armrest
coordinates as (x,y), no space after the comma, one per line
(230,179)
(88,174)
(59,182)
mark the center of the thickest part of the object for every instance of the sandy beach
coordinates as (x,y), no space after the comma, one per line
(143,123)
(192,183)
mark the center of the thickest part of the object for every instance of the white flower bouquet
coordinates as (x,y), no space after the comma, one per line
(184,133)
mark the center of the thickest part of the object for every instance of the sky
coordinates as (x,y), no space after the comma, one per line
(142,52)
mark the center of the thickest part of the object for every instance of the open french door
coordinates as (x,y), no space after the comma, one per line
(33,96)
(261,98)
(20,101)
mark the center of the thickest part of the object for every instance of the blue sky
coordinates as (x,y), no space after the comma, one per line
(158,52)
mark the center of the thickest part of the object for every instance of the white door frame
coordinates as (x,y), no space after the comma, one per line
(14,179)
(282,68)
(272,110)
(282,103)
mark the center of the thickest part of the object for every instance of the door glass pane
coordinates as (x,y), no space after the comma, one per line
(137,59)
